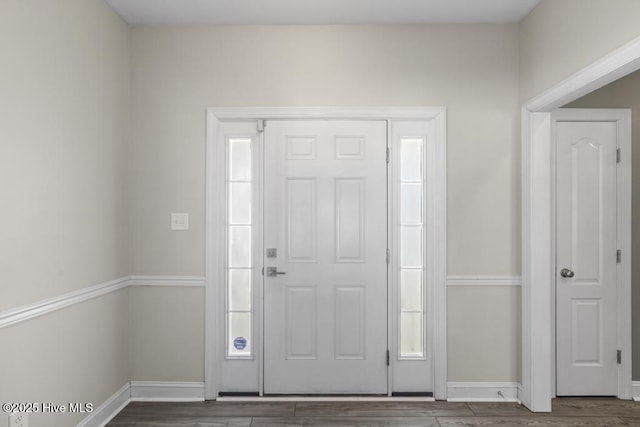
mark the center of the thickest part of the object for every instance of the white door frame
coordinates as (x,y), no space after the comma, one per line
(536,389)
(215,179)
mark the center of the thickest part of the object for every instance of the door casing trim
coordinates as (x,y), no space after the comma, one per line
(536,222)
(214,194)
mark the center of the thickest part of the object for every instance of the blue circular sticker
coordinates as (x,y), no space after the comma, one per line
(240,343)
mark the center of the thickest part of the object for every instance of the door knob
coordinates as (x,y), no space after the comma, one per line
(565,272)
(273,272)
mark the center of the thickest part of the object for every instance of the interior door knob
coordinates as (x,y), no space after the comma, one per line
(565,272)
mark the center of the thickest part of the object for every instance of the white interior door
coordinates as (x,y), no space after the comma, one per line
(325,228)
(586,281)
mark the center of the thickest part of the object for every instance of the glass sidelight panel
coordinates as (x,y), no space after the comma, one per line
(411,295)
(411,246)
(239,266)
(239,241)
(240,203)
(411,159)
(239,334)
(411,336)
(239,159)
(239,289)
(411,289)
(411,203)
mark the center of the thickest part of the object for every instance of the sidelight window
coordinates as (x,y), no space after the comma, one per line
(239,230)
(411,289)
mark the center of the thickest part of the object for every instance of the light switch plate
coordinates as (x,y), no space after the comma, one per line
(179,221)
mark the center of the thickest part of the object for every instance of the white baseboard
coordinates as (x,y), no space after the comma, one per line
(157,391)
(143,391)
(109,409)
(482,392)
(636,391)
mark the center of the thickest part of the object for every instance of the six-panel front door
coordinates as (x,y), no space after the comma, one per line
(325,240)
(586,282)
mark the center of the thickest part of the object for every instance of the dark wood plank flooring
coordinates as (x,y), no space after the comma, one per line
(567,412)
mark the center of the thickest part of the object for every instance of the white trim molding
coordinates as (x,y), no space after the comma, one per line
(159,391)
(16,315)
(181,281)
(537,274)
(611,67)
(482,392)
(636,391)
(310,113)
(143,391)
(109,409)
(484,281)
(12,316)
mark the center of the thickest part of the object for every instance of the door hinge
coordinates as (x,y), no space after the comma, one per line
(388,256)
(619,357)
(388,155)
(387,357)
(261,124)
(618,156)
(262,271)
(618,256)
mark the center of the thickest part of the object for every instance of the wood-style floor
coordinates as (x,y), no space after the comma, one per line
(567,412)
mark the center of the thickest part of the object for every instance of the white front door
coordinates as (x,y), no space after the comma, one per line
(586,281)
(325,228)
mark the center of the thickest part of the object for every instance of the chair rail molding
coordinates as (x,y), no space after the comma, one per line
(182,281)
(472,280)
(13,316)
(16,315)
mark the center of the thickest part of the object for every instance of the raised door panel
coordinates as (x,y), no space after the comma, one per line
(350,219)
(301,219)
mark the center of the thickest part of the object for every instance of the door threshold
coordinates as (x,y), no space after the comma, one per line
(345,398)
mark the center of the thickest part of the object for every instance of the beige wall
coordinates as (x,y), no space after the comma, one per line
(560,37)
(472,70)
(64,222)
(65,111)
(167,334)
(77,354)
(625,93)
(484,333)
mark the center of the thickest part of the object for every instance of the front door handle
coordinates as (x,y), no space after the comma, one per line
(565,272)
(273,272)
